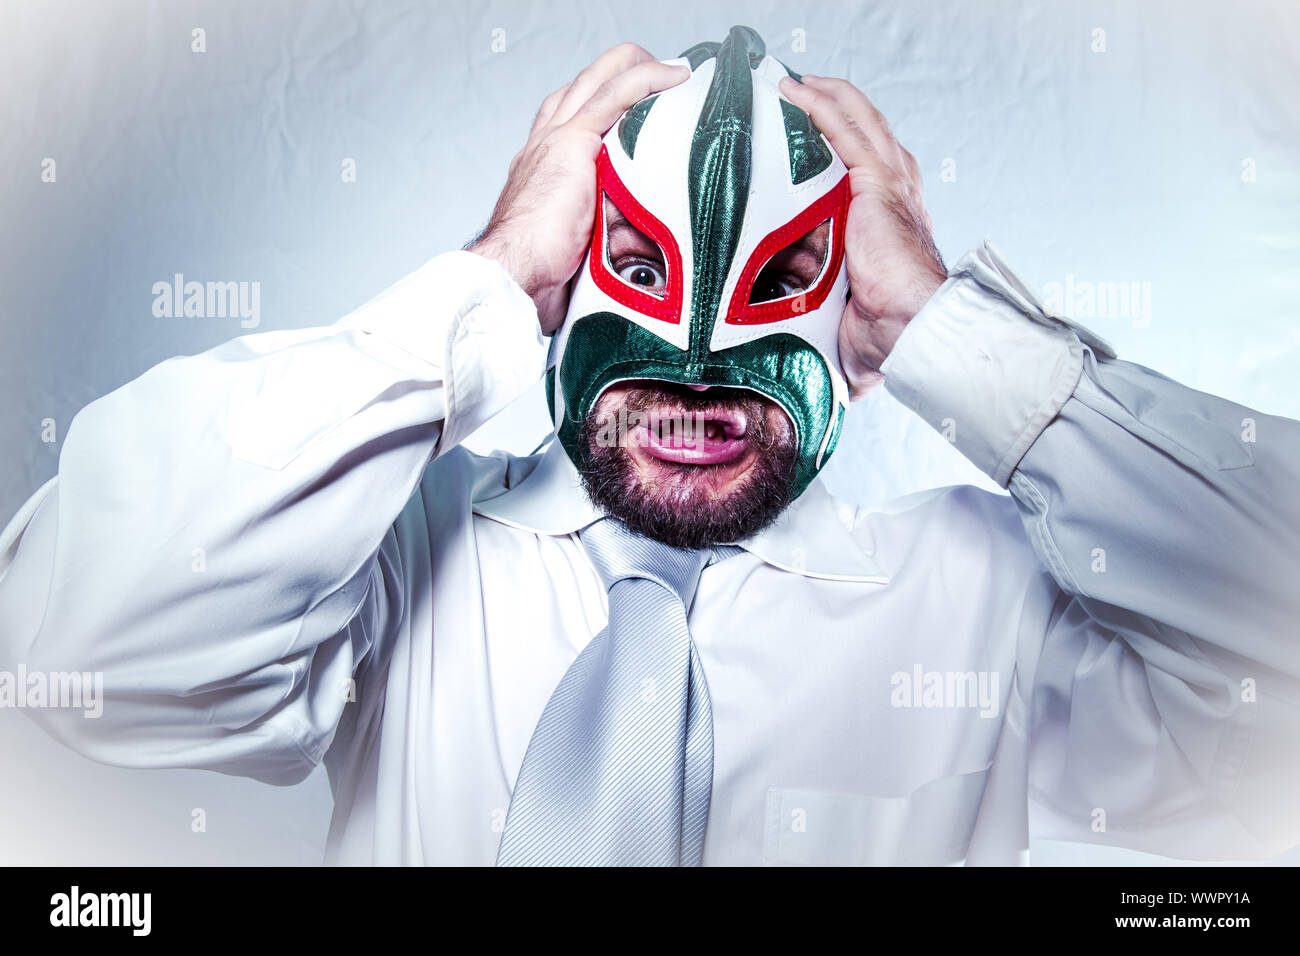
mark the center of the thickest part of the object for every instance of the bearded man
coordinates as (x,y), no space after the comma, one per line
(660,640)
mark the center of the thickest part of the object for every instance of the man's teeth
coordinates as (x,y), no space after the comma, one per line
(692,433)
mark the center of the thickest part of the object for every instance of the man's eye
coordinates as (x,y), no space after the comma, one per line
(773,285)
(793,269)
(643,274)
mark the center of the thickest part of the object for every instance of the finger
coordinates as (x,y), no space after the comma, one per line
(612,99)
(615,60)
(856,103)
(845,133)
(546,111)
(853,101)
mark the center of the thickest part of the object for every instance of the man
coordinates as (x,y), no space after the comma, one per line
(661,641)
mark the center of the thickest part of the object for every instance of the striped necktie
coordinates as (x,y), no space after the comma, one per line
(619,770)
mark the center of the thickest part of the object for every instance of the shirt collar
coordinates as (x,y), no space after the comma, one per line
(811,537)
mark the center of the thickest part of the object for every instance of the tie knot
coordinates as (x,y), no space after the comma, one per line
(620,554)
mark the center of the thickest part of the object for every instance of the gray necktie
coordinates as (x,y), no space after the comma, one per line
(619,770)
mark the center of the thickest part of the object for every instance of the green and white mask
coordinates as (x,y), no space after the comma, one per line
(723,173)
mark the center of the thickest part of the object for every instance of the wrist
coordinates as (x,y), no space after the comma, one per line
(548,298)
(889,323)
(913,298)
(508,255)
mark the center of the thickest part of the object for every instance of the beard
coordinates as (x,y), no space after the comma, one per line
(679,505)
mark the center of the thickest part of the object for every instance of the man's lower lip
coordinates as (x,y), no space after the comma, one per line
(703,451)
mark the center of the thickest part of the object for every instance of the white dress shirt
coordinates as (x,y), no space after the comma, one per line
(277,553)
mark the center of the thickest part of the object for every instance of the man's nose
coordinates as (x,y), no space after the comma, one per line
(698,388)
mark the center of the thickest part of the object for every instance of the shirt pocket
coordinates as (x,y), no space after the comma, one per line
(930,826)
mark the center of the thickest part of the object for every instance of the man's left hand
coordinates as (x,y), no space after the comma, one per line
(893,264)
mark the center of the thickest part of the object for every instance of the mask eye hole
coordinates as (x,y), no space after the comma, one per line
(794,269)
(631,255)
(634,258)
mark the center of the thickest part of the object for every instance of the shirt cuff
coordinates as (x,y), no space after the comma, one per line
(986,365)
(465,315)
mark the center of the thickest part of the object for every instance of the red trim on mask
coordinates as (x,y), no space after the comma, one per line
(669,307)
(833,206)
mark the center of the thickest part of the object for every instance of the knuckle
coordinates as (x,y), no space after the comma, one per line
(866,180)
(857,130)
(646,73)
(813,94)
(603,92)
(846,91)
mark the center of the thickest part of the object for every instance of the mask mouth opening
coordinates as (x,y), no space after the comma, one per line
(685,431)
(713,412)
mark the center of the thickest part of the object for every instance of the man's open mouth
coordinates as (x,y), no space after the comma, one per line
(709,436)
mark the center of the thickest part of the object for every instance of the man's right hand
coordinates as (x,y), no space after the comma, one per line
(542,222)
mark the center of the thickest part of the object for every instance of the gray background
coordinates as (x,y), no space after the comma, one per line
(1122,165)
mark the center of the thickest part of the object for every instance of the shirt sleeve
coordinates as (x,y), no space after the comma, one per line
(219,547)
(1166,688)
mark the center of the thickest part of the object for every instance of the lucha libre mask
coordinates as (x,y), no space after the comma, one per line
(723,174)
